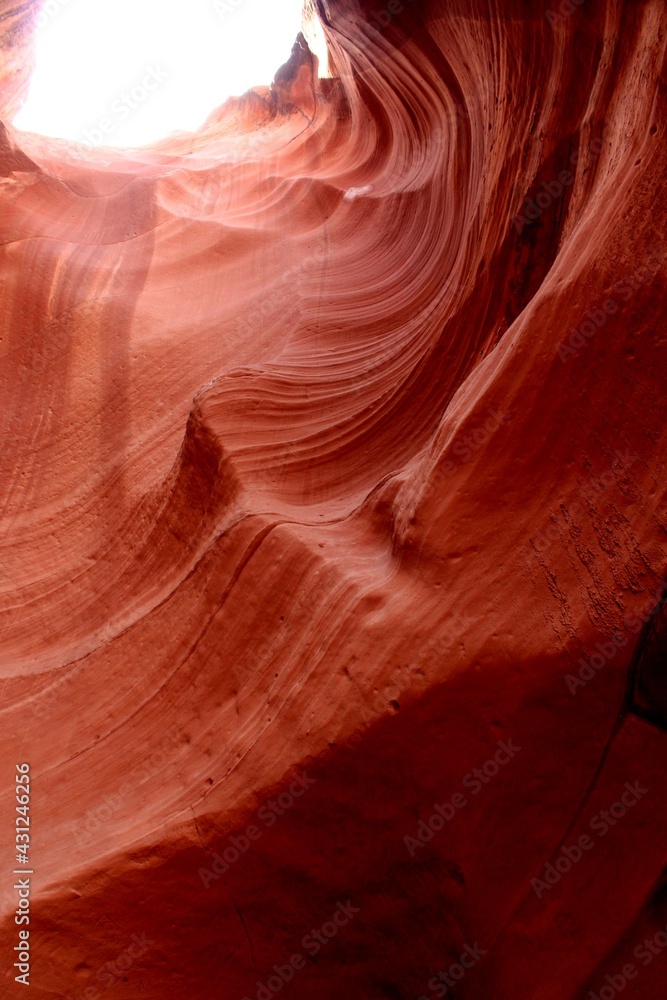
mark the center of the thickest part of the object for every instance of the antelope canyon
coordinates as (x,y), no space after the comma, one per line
(333,548)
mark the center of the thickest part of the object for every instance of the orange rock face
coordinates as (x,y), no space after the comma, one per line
(333,524)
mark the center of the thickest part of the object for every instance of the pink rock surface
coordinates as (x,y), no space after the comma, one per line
(333,445)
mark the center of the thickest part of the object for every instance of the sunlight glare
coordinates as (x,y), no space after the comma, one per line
(128,72)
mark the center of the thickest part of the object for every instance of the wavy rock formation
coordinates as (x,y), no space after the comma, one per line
(333,521)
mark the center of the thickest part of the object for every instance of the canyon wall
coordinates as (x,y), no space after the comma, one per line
(332,552)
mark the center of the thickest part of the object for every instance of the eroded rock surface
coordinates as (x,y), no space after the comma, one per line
(333,452)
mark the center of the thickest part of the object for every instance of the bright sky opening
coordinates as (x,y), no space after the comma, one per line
(128,72)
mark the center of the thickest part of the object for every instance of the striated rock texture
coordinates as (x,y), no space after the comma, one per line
(332,483)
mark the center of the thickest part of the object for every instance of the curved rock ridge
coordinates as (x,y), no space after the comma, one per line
(332,482)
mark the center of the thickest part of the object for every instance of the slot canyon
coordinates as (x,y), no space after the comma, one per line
(333,543)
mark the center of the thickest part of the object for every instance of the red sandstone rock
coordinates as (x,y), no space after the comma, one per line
(326,457)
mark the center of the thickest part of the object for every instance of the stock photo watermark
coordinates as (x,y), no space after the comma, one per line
(606,651)
(474,781)
(591,491)
(444,981)
(596,318)
(566,8)
(645,952)
(402,678)
(94,820)
(465,447)
(284,292)
(49,10)
(600,824)
(382,18)
(468,444)
(115,971)
(123,106)
(267,815)
(224,7)
(551,190)
(312,943)
(22,887)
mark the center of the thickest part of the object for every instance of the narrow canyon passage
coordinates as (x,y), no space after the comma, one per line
(332,521)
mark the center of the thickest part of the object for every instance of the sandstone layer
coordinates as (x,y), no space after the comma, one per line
(333,469)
